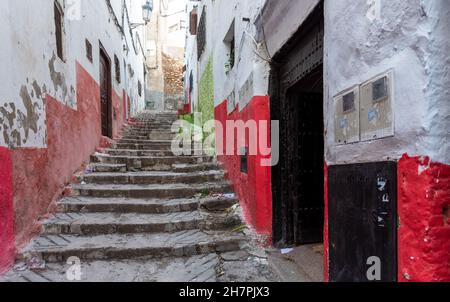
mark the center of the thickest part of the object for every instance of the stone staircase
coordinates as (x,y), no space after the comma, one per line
(137,206)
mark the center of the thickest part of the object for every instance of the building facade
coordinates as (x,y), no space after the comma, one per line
(165,54)
(360,93)
(73,74)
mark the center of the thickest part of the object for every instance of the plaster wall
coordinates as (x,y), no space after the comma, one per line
(408,37)
(292,13)
(35,70)
(50,108)
(251,58)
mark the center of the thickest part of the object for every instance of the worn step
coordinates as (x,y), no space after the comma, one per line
(151,136)
(106,168)
(82,204)
(189,168)
(121,223)
(153,177)
(150,191)
(197,268)
(156,163)
(149,146)
(143,131)
(154,147)
(145,153)
(166,142)
(132,246)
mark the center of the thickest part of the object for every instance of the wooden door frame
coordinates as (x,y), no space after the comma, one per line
(103,53)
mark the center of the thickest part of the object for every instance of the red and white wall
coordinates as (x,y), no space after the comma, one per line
(362,40)
(409,38)
(50,118)
(240,94)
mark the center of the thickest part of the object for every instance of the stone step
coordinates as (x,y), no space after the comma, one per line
(150,128)
(82,204)
(147,131)
(151,136)
(150,191)
(151,125)
(153,163)
(127,205)
(131,246)
(157,121)
(197,268)
(145,141)
(153,177)
(155,147)
(87,224)
(188,168)
(145,152)
(106,168)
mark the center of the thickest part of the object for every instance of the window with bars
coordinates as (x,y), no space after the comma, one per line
(59,15)
(201,34)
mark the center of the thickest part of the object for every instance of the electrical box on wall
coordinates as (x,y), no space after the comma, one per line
(347,117)
(377,115)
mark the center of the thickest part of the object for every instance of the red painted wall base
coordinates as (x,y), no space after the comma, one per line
(40,175)
(254,188)
(7,245)
(424,232)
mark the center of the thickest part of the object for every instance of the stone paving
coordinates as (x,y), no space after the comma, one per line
(139,213)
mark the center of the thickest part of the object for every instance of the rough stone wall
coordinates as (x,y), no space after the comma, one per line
(173,84)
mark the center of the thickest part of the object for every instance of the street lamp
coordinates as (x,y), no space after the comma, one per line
(147,10)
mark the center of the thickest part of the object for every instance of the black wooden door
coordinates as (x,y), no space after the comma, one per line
(299,208)
(304,167)
(105,95)
(362,221)
(309,170)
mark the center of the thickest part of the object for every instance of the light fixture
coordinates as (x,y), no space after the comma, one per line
(147,10)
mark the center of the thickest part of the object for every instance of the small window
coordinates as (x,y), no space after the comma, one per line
(191,82)
(201,34)
(232,53)
(349,102)
(117,68)
(244,160)
(89,51)
(193,22)
(139,88)
(230,43)
(59,15)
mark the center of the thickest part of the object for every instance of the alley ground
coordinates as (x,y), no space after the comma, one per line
(138,213)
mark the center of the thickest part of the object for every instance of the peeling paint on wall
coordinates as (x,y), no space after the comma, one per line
(28,121)
(58,78)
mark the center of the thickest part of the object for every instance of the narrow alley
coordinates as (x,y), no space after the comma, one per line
(183,233)
(234,141)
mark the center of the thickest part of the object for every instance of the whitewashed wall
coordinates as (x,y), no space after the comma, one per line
(410,37)
(191,60)
(220,15)
(32,68)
